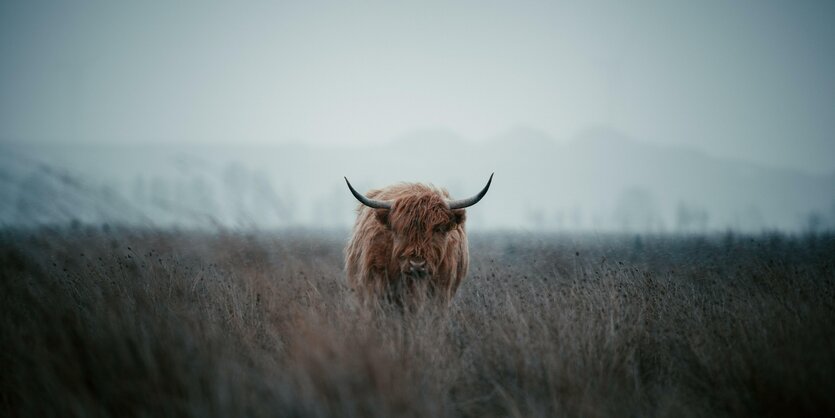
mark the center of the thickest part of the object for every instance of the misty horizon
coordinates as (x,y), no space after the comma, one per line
(595,116)
(733,80)
(541,184)
(414,134)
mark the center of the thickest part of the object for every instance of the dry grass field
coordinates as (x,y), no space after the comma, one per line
(166,323)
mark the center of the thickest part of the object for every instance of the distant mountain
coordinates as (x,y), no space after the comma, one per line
(602,180)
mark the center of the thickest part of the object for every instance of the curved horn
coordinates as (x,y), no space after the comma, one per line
(465,203)
(371,203)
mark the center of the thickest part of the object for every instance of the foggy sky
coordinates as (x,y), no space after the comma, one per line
(746,80)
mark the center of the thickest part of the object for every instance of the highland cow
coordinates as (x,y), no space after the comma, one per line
(408,243)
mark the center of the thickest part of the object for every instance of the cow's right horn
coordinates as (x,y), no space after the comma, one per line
(465,203)
(371,203)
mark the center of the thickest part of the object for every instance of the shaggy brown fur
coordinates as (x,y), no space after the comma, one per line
(419,226)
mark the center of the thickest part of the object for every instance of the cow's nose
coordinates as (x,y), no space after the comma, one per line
(417,266)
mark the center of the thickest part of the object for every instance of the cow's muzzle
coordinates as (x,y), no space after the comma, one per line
(418,268)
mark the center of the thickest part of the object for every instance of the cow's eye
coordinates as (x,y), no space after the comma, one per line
(440,229)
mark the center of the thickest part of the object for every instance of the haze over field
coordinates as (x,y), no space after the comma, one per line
(595,116)
(601,182)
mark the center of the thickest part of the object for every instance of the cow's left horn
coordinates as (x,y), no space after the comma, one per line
(465,203)
(376,204)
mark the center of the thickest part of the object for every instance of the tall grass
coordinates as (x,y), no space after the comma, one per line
(162,323)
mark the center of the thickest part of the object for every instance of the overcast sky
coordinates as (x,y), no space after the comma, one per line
(750,80)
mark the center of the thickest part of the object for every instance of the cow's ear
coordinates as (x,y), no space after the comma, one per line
(459,216)
(382,216)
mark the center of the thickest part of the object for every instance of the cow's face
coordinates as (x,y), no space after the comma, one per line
(420,226)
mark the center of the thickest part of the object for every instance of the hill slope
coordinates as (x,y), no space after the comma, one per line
(601,180)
